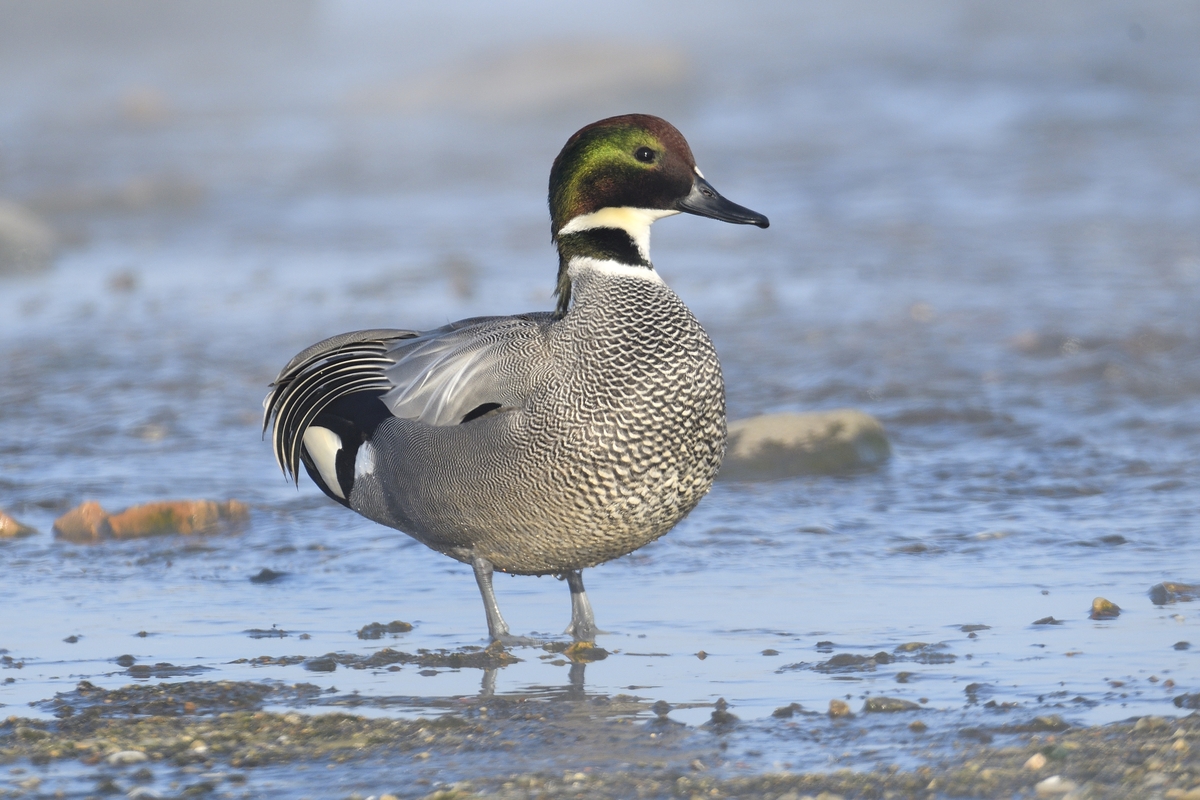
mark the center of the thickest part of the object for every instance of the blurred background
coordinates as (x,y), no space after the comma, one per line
(985,232)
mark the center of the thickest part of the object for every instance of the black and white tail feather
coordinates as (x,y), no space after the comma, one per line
(349,384)
(342,365)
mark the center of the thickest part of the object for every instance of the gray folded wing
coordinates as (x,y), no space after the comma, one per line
(438,377)
(442,376)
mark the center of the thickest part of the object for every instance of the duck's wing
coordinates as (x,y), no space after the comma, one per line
(442,377)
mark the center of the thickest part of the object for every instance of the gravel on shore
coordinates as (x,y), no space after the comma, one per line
(165,727)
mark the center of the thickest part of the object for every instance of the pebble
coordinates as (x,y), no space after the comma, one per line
(775,446)
(123,757)
(1035,762)
(788,711)
(11,529)
(376,630)
(266,575)
(721,717)
(87,522)
(320,664)
(888,705)
(1054,786)
(1173,592)
(1105,609)
(585,652)
(839,708)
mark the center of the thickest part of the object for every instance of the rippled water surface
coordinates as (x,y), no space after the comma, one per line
(985,232)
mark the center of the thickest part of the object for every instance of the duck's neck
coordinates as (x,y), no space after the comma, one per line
(617,236)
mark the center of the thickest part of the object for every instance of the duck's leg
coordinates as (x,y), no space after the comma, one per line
(583,621)
(497,627)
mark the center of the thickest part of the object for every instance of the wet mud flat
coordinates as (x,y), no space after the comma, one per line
(251,739)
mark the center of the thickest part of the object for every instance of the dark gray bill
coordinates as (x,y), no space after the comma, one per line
(705,201)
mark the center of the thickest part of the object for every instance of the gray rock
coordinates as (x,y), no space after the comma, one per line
(817,443)
(26,242)
(888,705)
(1173,592)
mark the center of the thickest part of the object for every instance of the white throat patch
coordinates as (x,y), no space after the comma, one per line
(602,266)
(634,221)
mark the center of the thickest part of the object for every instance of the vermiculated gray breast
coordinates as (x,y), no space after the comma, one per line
(620,439)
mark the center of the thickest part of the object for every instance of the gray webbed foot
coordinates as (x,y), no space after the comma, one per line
(583,621)
(497,627)
(508,640)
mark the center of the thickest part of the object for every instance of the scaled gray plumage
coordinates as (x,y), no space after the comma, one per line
(611,426)
(539,443)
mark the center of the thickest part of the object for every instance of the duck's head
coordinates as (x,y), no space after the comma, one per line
(613,179)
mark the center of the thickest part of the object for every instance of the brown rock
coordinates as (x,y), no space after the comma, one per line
(585,652)
(175,516)
(91,523)
(11,529)
(839,708)
(782,445)
(87,522)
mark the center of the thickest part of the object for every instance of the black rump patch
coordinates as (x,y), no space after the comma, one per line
(480,411)
(354,419)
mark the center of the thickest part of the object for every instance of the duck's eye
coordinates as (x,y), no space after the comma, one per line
(645,155)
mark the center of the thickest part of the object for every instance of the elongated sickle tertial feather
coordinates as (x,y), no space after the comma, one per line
(305,389)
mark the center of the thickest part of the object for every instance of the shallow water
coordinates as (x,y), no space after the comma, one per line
(984,232)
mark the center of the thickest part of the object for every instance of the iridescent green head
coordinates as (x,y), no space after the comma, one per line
(633,161)
(613,179)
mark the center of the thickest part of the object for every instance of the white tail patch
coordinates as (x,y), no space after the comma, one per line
(364,462)
(323,446)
